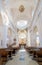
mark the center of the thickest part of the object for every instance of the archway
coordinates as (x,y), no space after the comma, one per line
(22,32)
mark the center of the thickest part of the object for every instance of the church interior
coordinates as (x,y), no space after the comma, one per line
(20,32)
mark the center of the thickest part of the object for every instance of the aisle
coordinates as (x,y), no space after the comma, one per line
(22,58)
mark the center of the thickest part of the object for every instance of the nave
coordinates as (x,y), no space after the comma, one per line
(21,55)
(22,58)
(20,32)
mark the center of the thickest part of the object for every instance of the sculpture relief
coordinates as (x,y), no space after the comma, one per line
(21,8)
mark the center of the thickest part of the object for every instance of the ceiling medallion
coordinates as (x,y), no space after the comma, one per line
(21,8)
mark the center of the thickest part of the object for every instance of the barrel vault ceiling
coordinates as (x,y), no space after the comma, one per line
(19,10)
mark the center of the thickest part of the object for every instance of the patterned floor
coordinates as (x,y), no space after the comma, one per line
(22,58)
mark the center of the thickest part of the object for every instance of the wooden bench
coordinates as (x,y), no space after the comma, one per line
(1,63)
(39,55)
(14,47)
(3,55)
(30,50)
(36,53)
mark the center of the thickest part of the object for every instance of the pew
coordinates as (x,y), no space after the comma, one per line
(15,49)
(6,53)
(1,63)
(9,53)
(36,53)
(39,54)
(30,50)
(3,55)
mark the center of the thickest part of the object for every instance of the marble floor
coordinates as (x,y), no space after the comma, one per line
(22,58)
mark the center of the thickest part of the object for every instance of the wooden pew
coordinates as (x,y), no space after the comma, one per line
(36,53)
(3,52)
(15,49)
(39,54)
(3,55)
(30,49)
(9,50)
(1,63)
